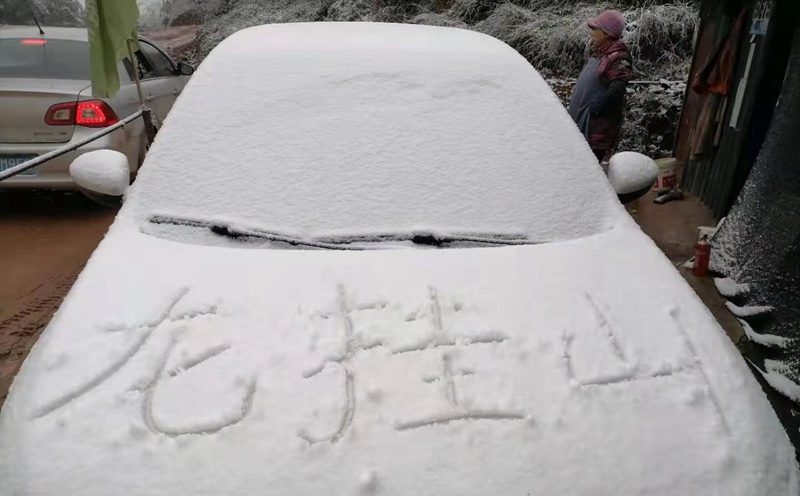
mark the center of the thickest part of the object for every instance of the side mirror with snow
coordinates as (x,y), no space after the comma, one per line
(102,175)
(631,175)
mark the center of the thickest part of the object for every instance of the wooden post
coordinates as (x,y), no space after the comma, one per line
(147,115)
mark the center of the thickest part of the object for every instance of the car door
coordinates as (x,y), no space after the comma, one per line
(161,83)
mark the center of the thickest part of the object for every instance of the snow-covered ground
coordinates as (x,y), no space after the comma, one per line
(206,356)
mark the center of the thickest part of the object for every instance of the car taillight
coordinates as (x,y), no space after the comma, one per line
(62,114)
(87,113)
(95,113)
(33,41)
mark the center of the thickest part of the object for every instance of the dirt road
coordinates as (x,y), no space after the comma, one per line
(45,239)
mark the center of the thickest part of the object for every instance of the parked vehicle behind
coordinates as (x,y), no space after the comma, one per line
(46,101)
(398,271)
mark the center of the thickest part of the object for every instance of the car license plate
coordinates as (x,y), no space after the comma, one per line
(9,161)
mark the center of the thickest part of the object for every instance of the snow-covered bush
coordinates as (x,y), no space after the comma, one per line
(433,19)
(235,15)
(661,38)
(473,11)
(154,15)
(66,13)
(349,10)
(651,121)
(554,36)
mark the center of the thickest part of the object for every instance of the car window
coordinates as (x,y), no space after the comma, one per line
(159,62)
(143,66)
(44,59)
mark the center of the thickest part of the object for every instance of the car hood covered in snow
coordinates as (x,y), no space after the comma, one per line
(584,367)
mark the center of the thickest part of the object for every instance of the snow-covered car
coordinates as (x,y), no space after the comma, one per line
(381,259)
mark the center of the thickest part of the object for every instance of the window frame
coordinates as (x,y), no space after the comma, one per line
(153,66)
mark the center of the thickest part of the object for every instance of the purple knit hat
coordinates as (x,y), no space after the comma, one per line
(610,22)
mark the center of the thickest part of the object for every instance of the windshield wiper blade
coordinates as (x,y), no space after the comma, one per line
(228,231)
(351,242)
(430,238)
(234,233)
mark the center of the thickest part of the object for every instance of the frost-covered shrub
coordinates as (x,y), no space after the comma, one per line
(433,19)
(473,11)
(349,10)
(651,119)
(248,13)
(661,38)
(554,35)
(66,13)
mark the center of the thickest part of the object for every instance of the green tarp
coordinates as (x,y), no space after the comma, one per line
(110,23)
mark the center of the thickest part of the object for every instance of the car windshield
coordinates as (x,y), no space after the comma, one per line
(39,58)
(376,140)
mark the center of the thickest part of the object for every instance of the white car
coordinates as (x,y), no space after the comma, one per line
(46,101)
(400,271)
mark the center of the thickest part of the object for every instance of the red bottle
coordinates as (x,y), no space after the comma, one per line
(702,256)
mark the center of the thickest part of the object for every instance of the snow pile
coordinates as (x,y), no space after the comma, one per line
(629,172)
(764,339)
(729,288)
(101,171)
(747,311)
(377,128)
(776,376)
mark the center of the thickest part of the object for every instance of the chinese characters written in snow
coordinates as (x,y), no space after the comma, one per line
(439,337)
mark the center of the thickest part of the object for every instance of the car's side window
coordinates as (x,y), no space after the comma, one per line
(159,62)
(143,67)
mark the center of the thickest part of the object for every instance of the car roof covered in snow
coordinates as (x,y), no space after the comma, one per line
(359,127)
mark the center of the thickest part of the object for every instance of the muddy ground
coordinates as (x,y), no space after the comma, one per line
(45,240)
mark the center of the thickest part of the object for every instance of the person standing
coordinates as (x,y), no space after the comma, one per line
(598,99)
